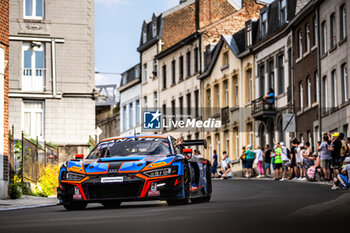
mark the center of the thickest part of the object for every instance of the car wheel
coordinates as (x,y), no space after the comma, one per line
(111,204)
(75,206)
(207,197)
(187,180)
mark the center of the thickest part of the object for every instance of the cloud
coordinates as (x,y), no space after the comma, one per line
(113,2)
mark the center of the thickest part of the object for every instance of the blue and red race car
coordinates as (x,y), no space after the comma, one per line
(143,167)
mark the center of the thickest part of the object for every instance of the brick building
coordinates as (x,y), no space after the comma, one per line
(52,70)
(4,101)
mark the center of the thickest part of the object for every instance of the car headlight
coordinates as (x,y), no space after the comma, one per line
(161,172)
(74,176)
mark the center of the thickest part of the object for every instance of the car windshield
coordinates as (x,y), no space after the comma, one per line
(131,146)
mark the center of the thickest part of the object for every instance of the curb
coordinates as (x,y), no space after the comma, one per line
(271,179)
(27,207)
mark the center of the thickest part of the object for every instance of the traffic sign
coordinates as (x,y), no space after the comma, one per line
(288,122)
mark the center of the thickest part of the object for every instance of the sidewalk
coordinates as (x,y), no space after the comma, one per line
(27,202)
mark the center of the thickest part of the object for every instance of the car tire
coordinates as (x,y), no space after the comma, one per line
(111,204)
(75,206)
(187,180)
(207,197)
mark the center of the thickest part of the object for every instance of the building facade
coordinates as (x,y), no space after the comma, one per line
(130,102)
(334,55)
(52,70)
(273,70)
(4,101)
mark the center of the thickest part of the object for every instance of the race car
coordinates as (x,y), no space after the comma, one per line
(135,168)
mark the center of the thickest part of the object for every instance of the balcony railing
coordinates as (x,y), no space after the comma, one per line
(225,115)
(262,109)
(33,79)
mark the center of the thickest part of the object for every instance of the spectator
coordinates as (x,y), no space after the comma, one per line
(326,158)
(308,159)
(344,147)
(344,177)
(348,144)
(293,160)
(225,155)
(267,156)
(244,163)
(215,164)
(335,153)
(260,158)
(250,156)
(299,159)
(285,161)
(225,168)
(278,161)
(269,98)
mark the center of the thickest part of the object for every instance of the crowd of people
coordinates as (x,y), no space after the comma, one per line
(329,161)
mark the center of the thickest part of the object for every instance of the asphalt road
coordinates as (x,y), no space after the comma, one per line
(236,206)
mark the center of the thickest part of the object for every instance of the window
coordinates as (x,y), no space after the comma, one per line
(144,36)
(226,92)
(173,73)
(323,38)
(334,89)
(145,104)
(280,74)
(154,30)
(181,67)
(218,147)
(317,80)
(181,106)
(188,104)
(300,44)
(250,133)
(308,93)
(164,76)
(145,75)
(227,142)
(236,136)
(342,21)
(225,59)
(155,99)
(208,100)
(196,58)
(137,115)
(188,63)
(314,31)
(325,93)
(155,67)
(173,113)
(164,112)
(344,78)
(271,75)
(34,9)
(283,11)
(301,96)
(333,35)
(249,35)
(137,71)
(263,24)
(262,79)
(235,90)
(249,86)
(217,98)
(33,67)
(33,113)
(196,100)
(307,40)
(131,115)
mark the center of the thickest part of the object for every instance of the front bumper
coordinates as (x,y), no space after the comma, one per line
(133,187)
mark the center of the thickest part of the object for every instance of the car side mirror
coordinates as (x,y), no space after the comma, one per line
(79,156)
(187,152)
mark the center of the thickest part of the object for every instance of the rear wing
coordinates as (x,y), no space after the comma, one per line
(199,142)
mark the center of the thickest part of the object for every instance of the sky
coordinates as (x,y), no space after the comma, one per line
(117,34)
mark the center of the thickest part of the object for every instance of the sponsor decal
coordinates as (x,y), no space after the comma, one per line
(160,164)
(76,194)
(112,179)
(153,191)
(113,171)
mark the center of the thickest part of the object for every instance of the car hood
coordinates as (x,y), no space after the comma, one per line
(124,164)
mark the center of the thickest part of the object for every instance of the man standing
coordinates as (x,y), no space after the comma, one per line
(250,156)
(335,153)
(285,161)
(267,156)
(278,161)
(215,164)
(325,158)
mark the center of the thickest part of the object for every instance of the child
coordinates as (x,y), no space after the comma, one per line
(344,177)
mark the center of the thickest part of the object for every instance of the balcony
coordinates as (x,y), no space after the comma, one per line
(262,110)
(33,79)
(225,115)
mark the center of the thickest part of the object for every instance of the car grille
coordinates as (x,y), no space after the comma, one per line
(124,190)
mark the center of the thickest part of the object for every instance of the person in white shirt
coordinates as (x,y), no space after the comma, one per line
(285,162)
(344,177)
(260,160)
(225,169)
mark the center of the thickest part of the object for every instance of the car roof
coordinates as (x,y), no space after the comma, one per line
(137,136)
